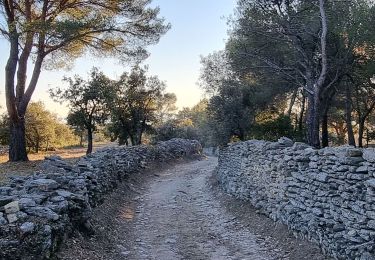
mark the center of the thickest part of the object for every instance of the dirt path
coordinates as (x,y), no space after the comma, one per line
(179,213)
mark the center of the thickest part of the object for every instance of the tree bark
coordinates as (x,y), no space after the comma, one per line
(361,127)
(302,113)
(313,117)
(17,139)
(17,145)
(313,120)
(325,135)
(348,117)
(292,101)
(89,140)
(327,104)
(81,139)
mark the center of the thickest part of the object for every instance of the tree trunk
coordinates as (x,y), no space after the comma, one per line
(348,117)
(361,127)
(17,144)
(132,139)
(302,113)
(312,121)
(325,138)
(123,138)
(37,146)
(316,86)
(89,140)
(121,141)
(81,139)
(292,101)
(328,98)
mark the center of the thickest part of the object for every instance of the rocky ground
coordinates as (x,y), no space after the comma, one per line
(178,212)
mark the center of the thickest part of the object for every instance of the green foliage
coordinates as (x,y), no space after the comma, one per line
(189,123)
(4,130)
(272,129)
(64,30)
(53,33)
(175,129)
(274,59)
(44,131)
(137,103)
(87,101)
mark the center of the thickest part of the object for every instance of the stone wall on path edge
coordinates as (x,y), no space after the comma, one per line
(38,212)
(324,195)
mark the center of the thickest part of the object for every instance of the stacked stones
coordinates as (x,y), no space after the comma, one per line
(38,212)
(325,195)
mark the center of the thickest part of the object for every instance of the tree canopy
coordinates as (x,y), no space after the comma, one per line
(87,101)
(293,59)
(53,33)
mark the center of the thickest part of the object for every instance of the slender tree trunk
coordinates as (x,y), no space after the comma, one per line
(37,146)
(361,127)
(241,134)
(17,144)
(348,116)
(325,135)
(313,117)
(292,101)
(121,141)
(302,113)
(89,140)
(123,137)
(142,129)
(81,139)
(132,139)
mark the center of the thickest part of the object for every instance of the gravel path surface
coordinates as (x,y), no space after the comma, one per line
(180,213)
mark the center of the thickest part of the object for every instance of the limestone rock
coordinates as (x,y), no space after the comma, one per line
(42,212)
(285,141)
(27,227)
(12,218)
(43,184)
(12,207)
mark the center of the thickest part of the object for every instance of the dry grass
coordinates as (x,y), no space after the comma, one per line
(25,168)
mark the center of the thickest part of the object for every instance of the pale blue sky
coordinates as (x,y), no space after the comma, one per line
(198,28)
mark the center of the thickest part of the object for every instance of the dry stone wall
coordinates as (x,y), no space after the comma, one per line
(38,212)
(324,195)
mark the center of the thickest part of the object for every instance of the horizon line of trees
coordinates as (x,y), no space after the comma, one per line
(289,67)
(128,107)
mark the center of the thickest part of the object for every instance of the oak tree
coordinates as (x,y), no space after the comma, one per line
(87,102)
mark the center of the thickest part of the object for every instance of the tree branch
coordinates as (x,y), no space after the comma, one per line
(323,45)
